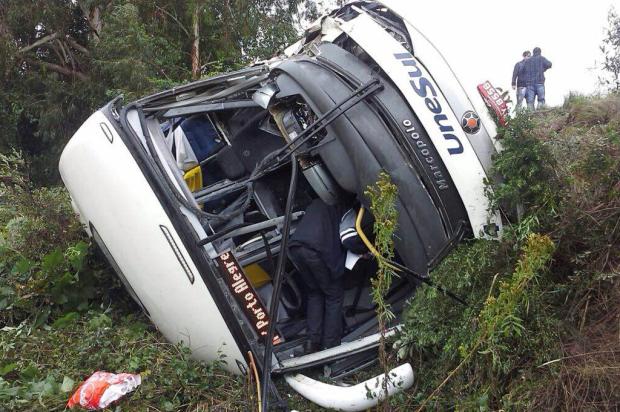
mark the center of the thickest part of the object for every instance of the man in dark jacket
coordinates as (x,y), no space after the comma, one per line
(518,81)
(534,73)
(318,255)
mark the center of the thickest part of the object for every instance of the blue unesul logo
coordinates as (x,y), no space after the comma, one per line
(425,89)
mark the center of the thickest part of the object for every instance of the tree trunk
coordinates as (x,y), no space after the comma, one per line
(95,22)
(195,54)
(4,29)
(93,17)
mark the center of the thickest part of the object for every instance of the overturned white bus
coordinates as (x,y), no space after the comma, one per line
(188,193)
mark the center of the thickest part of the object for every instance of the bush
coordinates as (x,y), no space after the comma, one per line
(540,329)
(47,266)
(502,327)
(527,169)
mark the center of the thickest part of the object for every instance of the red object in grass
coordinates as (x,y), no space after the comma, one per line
(103,388)
(494,101)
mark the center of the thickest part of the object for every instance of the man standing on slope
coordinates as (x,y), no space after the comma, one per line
(518,80)
(534,73)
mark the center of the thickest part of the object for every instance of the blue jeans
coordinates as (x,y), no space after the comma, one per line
(533,91)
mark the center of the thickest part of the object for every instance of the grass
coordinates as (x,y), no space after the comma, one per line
(539,333)
(41,369)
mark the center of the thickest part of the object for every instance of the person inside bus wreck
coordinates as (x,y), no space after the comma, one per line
(318,255)
(325,242)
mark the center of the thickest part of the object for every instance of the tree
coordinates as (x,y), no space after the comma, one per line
(611,51)
(60,60)
(44,60)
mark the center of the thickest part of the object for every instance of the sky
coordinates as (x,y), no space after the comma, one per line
(483,39)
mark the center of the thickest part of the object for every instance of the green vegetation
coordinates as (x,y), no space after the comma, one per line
(541,328)
(611,53)
(61,60)
(540,331)
(43,251)
(41,369)
(64,315)
(383,206)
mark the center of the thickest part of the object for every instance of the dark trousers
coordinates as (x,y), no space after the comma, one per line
(325,297)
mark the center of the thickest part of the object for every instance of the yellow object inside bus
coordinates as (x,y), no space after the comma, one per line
(193,178)
(256,275)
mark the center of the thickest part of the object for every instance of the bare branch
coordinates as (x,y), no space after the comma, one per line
(42,40)
(58,69)
(77,46)
(65,58)
(71,56)
(173,17)
(66,51)
(56,51)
